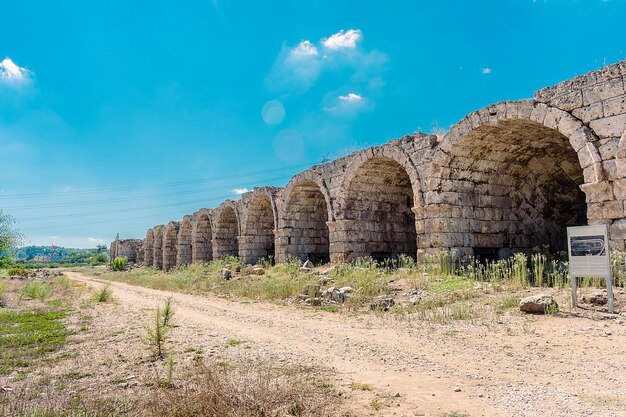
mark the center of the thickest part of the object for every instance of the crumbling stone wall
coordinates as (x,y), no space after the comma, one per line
(132,249)
(505,178)
(226,230)
(170,245)
(258,224)
(202,236)
(157,247)
(184,244)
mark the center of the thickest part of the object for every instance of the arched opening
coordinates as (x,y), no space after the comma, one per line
(148,251)
(259,229)
(185,247)
(305,223)
(158,248)
(517,182)
(226,233)
(202,249)
(378,202)
(170,246)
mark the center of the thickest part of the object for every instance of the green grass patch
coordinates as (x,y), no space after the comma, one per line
(451,283)
(330,309)
(37,290)
(27,335)
(234,342)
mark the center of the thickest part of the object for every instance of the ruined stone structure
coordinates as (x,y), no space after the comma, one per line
(505,178)
(132,249)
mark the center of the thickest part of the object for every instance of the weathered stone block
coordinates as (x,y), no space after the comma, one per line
(598,192)
(602,91)
(609,127)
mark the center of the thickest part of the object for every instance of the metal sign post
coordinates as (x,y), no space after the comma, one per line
(589,256)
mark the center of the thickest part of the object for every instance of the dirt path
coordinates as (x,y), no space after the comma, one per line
(522,366)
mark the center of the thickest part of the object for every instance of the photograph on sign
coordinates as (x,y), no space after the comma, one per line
(587,245)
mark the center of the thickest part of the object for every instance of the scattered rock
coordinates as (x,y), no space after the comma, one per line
(382,304)
(258,271)
(305,270)
(226,274)
(6,388)
(597,298)
(457,389)
(315,301)
(308,264)
(538,304)
(345,290)
(415,299)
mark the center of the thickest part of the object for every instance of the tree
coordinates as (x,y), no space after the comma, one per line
(9,237)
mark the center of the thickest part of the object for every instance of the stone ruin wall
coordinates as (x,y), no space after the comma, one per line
(505,178)
(132,249)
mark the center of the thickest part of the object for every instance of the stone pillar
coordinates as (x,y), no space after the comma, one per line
(282,241)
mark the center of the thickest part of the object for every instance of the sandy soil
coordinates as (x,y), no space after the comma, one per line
(522,366)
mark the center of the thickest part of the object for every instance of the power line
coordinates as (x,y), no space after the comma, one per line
(135,198)
(158,185)
(95,213)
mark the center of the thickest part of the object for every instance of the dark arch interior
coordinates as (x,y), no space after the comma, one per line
(305,223)
(260,226)
(226,233)
(378,206)
(202,250)
(520,181)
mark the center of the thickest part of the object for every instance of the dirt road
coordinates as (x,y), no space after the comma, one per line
(523,366)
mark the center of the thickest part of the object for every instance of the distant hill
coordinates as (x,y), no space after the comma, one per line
(57,254)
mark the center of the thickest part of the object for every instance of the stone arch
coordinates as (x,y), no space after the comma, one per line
(376,217)
(258,222)
(226,230)
(148,248)
(392,153)
(157,247)
(508,178)
(170,245)
(185,245)
(303,221)
(202,236)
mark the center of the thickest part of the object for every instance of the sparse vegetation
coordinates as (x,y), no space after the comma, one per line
(157,334)
(104,294)
(119,263)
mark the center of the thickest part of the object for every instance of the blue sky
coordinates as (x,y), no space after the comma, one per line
(116,116)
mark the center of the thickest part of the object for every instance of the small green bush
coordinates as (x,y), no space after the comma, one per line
(18,271)
(104,294)
(37,290)
(99,259)
(119,264)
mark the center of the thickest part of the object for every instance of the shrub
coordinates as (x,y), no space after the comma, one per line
(18,271)
(158,334)
(104,294)
(119,264)
(37,290)
(99,259)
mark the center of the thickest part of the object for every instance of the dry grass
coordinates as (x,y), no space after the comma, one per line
(252,389)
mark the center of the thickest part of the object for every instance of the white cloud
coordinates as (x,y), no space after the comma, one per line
(486,70)
(297,68)
(95,240)
(349,104)
(351,98)
(304,48)
(10,73)
(343,39)
(240,191)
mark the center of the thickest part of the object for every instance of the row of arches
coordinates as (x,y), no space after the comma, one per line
(506,178)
